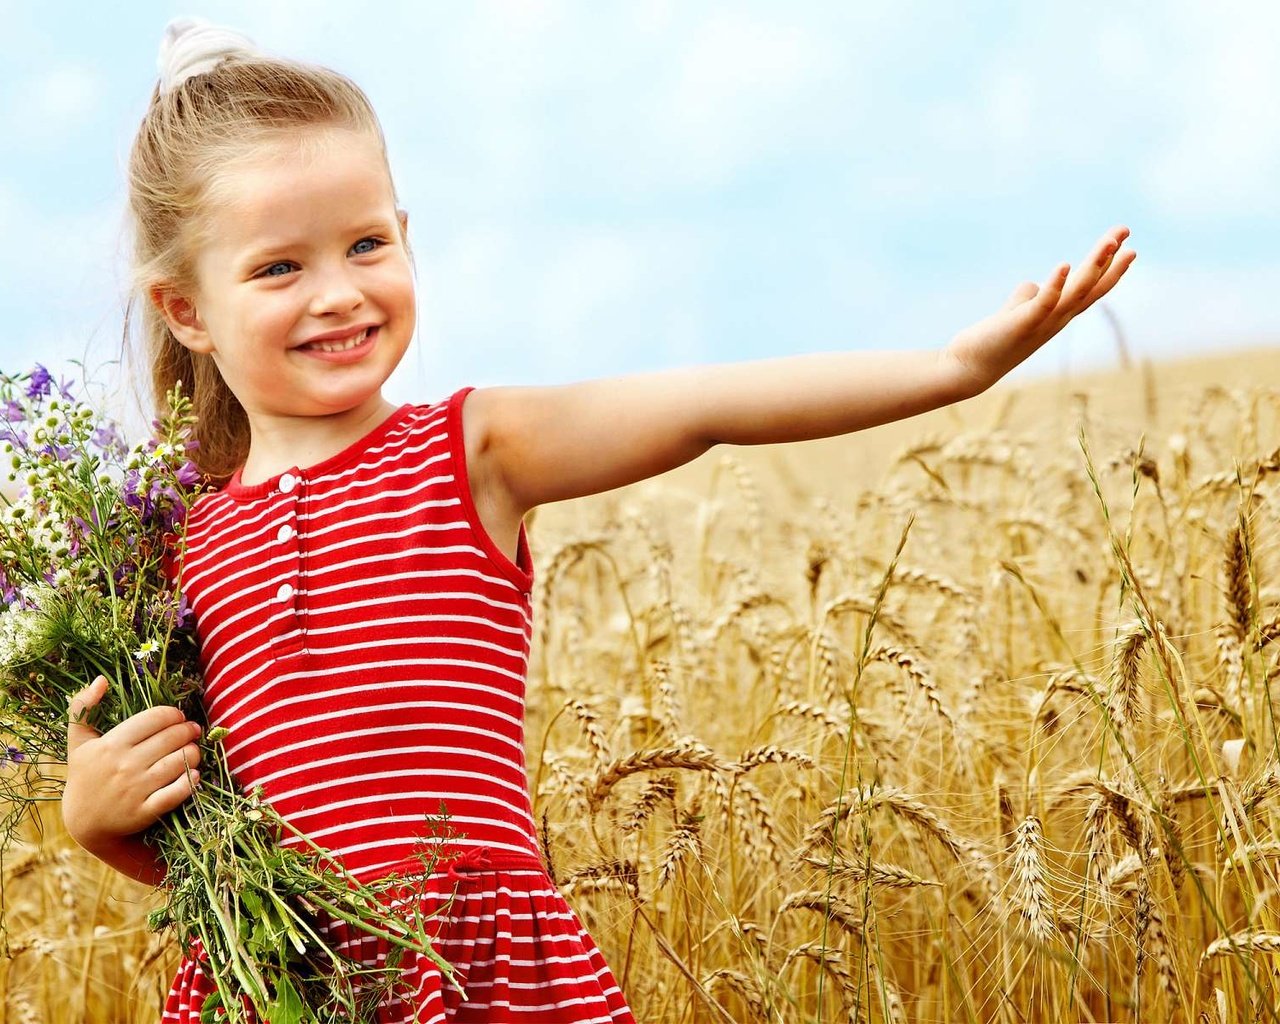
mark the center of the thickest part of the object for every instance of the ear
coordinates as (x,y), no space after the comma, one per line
(183,319)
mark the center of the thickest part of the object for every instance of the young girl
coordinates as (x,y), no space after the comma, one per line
(361,580)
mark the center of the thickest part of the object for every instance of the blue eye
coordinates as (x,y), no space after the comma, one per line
(266,272)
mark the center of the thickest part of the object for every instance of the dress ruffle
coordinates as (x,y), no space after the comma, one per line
(519,951)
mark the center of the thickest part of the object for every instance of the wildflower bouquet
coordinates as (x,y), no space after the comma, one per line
(90,531)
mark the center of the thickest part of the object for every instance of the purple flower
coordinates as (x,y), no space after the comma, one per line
(134,497)
(109,440)
(61,452)
(13,754)
(40,383)
(10,433)
(12,412)
(183,615)
(188,474)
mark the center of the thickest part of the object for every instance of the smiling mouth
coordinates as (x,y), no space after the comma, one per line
(338,346)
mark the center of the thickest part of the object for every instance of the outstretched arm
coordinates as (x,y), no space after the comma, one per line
(552,443)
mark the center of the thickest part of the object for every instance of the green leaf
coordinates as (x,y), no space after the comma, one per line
(251,902)
(209,1009)
(287,1007)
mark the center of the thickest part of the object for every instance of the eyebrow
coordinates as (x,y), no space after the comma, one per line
(279,248)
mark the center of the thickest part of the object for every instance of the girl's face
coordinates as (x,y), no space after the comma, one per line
(306,243)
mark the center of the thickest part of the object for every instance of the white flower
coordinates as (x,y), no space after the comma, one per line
(20,636)
(148,648)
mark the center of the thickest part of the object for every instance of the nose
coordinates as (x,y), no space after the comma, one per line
(336,290)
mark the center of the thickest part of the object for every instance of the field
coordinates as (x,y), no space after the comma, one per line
(943,721)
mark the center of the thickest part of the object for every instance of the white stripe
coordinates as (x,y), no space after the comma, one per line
(377,709)
(236,589)
(565,915)
(308,591)
(343,852)
(346,758)
(453,774)
(402,619)
(215,700)
(325,696)
(219,555)
(391,796)
(383,730)
(392,819)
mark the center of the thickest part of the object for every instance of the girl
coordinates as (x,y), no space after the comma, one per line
(361,580)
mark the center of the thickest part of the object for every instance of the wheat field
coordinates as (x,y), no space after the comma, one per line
(942,721)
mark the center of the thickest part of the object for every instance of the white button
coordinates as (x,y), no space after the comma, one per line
(284,533)
(287,483)
(285,592)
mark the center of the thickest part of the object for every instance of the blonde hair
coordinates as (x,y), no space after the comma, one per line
(191,132)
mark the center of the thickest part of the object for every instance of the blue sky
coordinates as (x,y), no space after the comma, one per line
(599,188)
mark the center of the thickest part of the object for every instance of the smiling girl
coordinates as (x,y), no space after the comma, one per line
(361,579)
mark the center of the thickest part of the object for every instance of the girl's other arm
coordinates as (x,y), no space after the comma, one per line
(552,443)
(121,781)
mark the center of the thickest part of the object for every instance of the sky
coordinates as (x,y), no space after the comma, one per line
(597,189)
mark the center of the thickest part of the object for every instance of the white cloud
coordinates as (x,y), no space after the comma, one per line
(55,103)
(737,93)
(60,282)
(1224,157)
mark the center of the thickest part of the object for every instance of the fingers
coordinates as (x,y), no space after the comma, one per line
(165,799)
(1115,271)
(1021,294)
(174,764)
(163,743)
(1051,292)
(80,703)
(1082,290)
(145,724)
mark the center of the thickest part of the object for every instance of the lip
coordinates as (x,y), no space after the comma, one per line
(350,355)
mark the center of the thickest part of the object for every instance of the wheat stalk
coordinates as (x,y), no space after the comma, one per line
(682,842)
(1030,880)
(655,792)
(747,989)
(597,876)
(770,755)
(829,905)
(886,876)
(686,755)
(912,665)
(1239,942)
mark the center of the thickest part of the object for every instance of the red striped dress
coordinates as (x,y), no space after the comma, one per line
(366,643)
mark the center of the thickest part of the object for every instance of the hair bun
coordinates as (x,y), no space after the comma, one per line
(192,46)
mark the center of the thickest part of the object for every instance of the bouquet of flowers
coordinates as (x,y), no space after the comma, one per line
(89,531)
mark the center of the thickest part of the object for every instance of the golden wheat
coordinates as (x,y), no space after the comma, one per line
(1032,778)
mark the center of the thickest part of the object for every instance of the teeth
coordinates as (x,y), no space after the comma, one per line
(340,346)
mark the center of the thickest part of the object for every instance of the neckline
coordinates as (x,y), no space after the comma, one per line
(234,489)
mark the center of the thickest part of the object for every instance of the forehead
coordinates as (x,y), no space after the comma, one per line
(289,190)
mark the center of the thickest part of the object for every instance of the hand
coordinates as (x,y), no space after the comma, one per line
(121,781)
(985,352)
